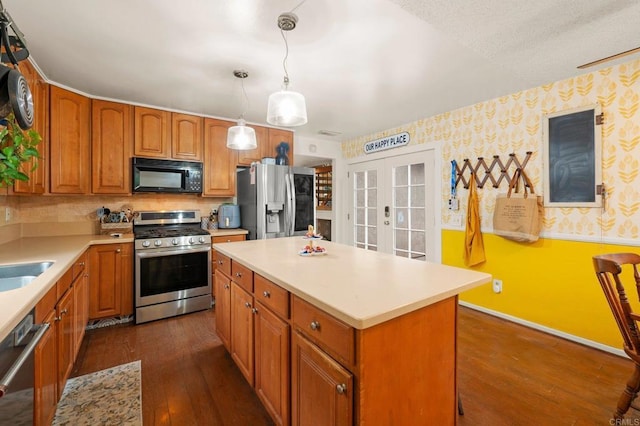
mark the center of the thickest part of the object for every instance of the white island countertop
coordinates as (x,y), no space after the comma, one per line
(63,251)
(360,287)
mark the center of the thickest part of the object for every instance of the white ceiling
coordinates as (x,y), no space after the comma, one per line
(363,65)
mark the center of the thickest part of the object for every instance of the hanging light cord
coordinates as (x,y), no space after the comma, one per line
(299,4)
(286,55)
(246,99)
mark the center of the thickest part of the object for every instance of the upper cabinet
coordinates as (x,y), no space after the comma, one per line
(162,134)
(152,133)
(40,93)
(111,141)
(277,136)
(219,161)
(248,156)
(70,140)
(186,141)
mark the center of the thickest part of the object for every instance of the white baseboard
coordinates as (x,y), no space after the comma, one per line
(549,330)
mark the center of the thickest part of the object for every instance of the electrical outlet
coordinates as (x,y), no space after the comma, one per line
(7,215)
(456,220)
(497,286)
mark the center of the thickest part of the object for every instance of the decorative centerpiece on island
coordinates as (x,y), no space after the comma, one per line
(310,249)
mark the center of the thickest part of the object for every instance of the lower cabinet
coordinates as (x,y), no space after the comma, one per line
(322,389)
(272,363)
(111,280)
(65,308)
(46,374)
(222,285)
(242,330)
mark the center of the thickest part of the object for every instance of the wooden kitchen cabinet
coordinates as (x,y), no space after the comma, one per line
(272,364)
(219,161)
(40,95)
(65,334)
(46,374)
(111,287)
(152,135)
(80,289)
(248,156)
(69,142)
(322,390)
(222,286)
(111,142)
(276,136)
(242,331)
(186,140)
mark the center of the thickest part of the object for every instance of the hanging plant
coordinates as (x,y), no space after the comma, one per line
(16,148)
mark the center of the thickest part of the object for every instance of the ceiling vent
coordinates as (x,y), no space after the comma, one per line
(328,133)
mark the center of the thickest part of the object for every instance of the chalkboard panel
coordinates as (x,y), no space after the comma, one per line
(572,158)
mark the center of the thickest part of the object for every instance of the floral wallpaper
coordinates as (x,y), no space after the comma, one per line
(513,124)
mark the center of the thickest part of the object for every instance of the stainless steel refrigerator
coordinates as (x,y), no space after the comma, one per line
(276,201)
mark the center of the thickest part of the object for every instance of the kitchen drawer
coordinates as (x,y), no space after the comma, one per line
(332,335)
(64,283)
(271,295)
(242,276)
(223,264)
(227,238)
(79,265)
(46,304)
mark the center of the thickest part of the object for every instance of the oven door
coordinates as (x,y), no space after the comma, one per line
(163,275)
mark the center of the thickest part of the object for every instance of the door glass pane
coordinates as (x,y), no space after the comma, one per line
(409,211)
(365,205)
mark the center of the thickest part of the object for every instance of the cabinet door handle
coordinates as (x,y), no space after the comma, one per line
(254,311)
(226,286)
(118,250)
(220,262)
(247,304)
(315,325)
(81,263)
(341,388)
(266,294)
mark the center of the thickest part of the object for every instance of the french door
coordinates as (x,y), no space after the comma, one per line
(393,206)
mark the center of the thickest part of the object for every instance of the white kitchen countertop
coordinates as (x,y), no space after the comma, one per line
(63,251)
(360,287)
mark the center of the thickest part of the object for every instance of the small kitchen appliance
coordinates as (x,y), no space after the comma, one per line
(229,216)
(172,268)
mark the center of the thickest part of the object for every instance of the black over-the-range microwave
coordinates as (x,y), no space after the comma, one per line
(153,175)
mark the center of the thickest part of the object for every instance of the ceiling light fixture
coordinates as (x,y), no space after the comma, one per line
(242,137)
(286,108)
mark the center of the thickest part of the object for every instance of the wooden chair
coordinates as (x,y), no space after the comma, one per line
(609,268)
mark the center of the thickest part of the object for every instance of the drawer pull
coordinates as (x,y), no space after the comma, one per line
(315,325)
(118,250)
(239,274)
(254,311)
(247,304)
(266,294)
(341,388)
(220,262)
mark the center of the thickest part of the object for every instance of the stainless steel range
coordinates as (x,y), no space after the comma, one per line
(172,264)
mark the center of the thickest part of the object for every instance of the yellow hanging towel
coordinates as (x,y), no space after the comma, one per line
(473,244)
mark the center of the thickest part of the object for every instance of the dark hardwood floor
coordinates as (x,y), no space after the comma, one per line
(508,374)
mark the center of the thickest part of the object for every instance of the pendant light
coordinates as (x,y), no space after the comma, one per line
(286,108)
(241,137)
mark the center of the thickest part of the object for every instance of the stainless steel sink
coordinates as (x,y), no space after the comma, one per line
(20,275)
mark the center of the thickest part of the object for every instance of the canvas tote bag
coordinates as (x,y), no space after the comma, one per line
(518,216)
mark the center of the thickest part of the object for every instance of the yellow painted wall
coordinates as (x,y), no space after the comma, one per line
(550,282)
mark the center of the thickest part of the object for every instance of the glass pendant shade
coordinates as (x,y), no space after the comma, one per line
(241,137)
(286,108)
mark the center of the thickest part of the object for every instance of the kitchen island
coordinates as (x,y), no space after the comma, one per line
(364,337)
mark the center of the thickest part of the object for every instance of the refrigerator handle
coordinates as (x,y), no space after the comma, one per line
(293,203)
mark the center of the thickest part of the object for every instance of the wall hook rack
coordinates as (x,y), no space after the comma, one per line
(496,164)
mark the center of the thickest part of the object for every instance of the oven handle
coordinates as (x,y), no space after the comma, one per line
(170,251)
(17,365)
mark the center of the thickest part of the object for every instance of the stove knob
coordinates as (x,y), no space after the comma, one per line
(157,243)
(201,240)
(174,242)
(191,240)
(146,244)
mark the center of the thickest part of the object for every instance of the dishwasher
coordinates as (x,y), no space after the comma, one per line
(17,372)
